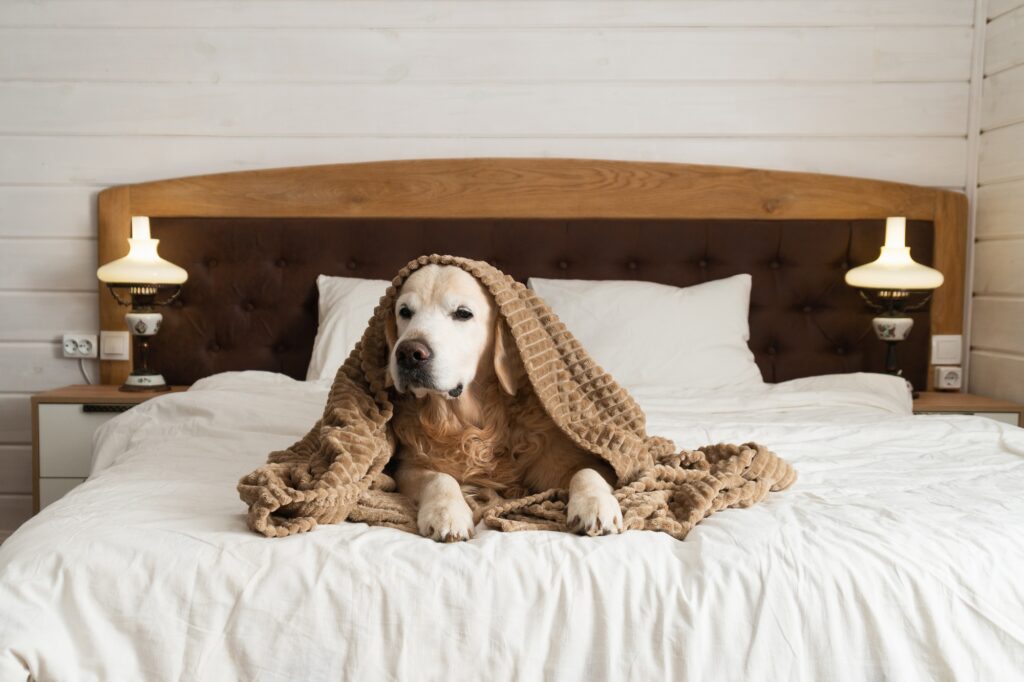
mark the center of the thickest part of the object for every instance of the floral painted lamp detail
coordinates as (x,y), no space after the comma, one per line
(893,284)
(143,280)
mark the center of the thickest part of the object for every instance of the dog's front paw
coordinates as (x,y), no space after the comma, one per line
(446,520)
(594,514)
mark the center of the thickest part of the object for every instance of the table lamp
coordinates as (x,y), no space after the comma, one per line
(142,280)
(894,284)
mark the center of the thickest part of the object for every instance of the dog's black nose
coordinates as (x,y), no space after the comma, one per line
(412,354)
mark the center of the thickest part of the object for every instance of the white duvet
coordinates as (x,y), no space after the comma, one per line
(898,554)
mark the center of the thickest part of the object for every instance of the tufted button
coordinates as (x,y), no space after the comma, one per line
(775,265)
(211,262)
(702,263)
(808,309)
(840,350)
(352,265)
(281,262)
(214,347)
(631,265)
(248,306)
(563,265)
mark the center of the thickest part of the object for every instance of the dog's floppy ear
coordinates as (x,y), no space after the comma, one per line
(390,336)
(504,358)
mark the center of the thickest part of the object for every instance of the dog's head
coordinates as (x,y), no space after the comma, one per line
(444,332)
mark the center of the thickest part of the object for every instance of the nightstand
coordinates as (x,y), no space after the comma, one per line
(63,423)
(935,402)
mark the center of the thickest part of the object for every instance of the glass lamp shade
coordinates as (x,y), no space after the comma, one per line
(142,265)
(894,269)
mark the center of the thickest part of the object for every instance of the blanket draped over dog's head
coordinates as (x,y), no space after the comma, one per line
(336,472)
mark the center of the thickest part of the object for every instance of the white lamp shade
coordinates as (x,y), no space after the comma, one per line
(142,265)
(894,268)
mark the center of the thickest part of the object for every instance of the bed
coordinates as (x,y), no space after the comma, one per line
(895,556)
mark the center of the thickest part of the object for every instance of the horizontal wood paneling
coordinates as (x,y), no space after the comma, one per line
(1003,99)
(997,374)
(486,13)
(937,162)
(998,324)
(15,468)
(45,316)
(1001,158)
(15,510)
(1000,210)
(1004,46)
(34,366)
(996,8)
(567,109)
(49,264)
(999,267)
(500,55)
(15,418)
(42,211)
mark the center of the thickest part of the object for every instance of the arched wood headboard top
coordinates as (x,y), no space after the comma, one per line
(526,188)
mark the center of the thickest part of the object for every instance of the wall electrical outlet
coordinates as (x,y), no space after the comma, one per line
(948,378)
(80,346)
(114,346)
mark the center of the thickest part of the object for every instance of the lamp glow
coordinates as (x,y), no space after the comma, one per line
(142,265)
(894,268)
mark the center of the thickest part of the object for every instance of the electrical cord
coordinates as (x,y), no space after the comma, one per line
(85,375)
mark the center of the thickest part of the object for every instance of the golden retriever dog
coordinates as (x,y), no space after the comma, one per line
(468,421)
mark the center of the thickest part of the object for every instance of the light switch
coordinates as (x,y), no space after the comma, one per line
(114,345)
(947,349)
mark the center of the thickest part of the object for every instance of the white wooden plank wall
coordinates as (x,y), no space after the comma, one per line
(100,92)
(997,330)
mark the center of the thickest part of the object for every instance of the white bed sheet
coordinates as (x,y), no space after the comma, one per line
(898,554)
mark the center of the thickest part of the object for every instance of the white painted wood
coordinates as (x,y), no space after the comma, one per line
(1004,42)
(1003,100)
(999,375)
(101,161)
(999,268)
(501,55)
(998,324)
(486,13)
(1011,418)
(15,468)
(999,7)
(65,439)
(32,367)
(15,418)
(1001,210)
(48,264)
(1001,157)
(46,315)
(15,510)
(726,109)
(45,211)
(52,489)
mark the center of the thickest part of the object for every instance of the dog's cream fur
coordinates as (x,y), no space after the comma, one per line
(493,435)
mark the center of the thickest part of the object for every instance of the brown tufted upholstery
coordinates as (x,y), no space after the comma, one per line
(250,302)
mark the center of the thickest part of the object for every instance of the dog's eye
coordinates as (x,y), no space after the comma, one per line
(463,314)
(405,313)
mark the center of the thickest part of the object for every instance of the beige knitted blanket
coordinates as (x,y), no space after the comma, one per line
(336,472)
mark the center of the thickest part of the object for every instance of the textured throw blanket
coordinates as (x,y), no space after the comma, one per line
(336,473)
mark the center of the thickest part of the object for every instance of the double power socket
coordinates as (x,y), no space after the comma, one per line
(111,346)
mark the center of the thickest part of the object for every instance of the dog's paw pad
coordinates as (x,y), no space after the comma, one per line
(594,514)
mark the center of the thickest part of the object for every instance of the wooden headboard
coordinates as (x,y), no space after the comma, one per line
(674,223)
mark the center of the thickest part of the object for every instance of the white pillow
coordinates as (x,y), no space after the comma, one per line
(647,334)
(346,306)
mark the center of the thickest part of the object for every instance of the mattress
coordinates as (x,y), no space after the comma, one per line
(896,555)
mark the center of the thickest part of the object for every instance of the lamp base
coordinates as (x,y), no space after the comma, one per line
(140,382)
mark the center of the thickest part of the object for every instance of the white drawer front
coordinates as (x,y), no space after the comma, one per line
(52,489)
(1005,417)
(65,439)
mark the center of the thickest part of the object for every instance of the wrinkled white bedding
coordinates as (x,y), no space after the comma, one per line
(897,555)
